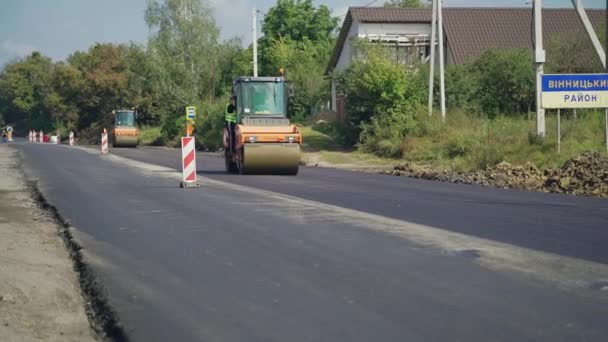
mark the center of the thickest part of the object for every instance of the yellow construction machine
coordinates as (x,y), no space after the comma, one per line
(264,141)
(124,132)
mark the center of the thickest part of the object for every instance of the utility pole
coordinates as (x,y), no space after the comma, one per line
(582,15)
(255,42)
(539,60)
(601,52)
(432,60)
(441,58)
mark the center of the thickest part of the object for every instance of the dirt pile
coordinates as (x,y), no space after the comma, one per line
(505,175)
(586,174)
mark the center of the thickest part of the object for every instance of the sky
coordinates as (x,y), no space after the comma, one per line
(57,28)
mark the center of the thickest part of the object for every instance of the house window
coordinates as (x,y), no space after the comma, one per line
(405,49)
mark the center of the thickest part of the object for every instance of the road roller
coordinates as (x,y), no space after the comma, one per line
(124,132)
(263,140)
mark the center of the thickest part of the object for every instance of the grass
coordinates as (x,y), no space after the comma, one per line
(150,135)
(315,141)
(468,142)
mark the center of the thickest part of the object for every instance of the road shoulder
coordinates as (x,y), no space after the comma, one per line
(40,298)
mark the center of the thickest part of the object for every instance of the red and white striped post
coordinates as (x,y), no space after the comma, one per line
(104,141)
(41,137)
(188,163)
(30,136)
(71,138)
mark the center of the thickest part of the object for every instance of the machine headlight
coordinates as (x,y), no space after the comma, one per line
(291,139)
(253,138)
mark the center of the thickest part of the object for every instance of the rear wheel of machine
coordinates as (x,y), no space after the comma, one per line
(241,162)
(231,166)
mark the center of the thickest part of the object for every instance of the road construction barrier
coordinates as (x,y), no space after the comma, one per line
(188,163)
(31,136)
(104,142)
(71,138)
(41,137)
(53,139)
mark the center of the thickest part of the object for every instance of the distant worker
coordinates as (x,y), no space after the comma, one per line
(230,118)
(4,136)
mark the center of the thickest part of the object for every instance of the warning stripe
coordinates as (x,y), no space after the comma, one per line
(188,159)
(104,142)
(191,177)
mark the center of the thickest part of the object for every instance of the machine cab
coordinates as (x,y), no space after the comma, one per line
(124,118)
(260,97)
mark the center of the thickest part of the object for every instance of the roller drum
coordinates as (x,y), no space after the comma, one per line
(125,141)
(273,158)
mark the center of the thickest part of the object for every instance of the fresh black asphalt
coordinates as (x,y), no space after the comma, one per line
(205,265)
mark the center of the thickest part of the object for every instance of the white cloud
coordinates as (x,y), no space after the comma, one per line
(15,49)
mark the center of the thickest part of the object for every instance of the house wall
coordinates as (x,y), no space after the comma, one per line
(346,55)
(363,30)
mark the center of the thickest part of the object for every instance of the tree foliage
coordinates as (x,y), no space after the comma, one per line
(299,37)
(380,98)
(506,81)
(299,20)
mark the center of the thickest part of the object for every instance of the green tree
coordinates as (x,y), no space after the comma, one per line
(184,51)
(506,81)
(234,61)
(573,53)
(105,82)
(299,19)
(184,44)
(24,85)
(407,4)
(61,103)
(299,37)
(304,62)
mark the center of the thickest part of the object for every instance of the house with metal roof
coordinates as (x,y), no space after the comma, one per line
(468,32)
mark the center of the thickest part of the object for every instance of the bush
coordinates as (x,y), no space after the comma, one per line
(209,128)
(172,127)
(376,85)
(385,134)
(506,81)
(380,100)
(461,88)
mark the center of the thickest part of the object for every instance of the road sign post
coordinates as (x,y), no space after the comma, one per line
(559,132)
(576,91)
(190,119)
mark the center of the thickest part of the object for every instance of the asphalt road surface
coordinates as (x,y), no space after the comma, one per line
(328,255)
